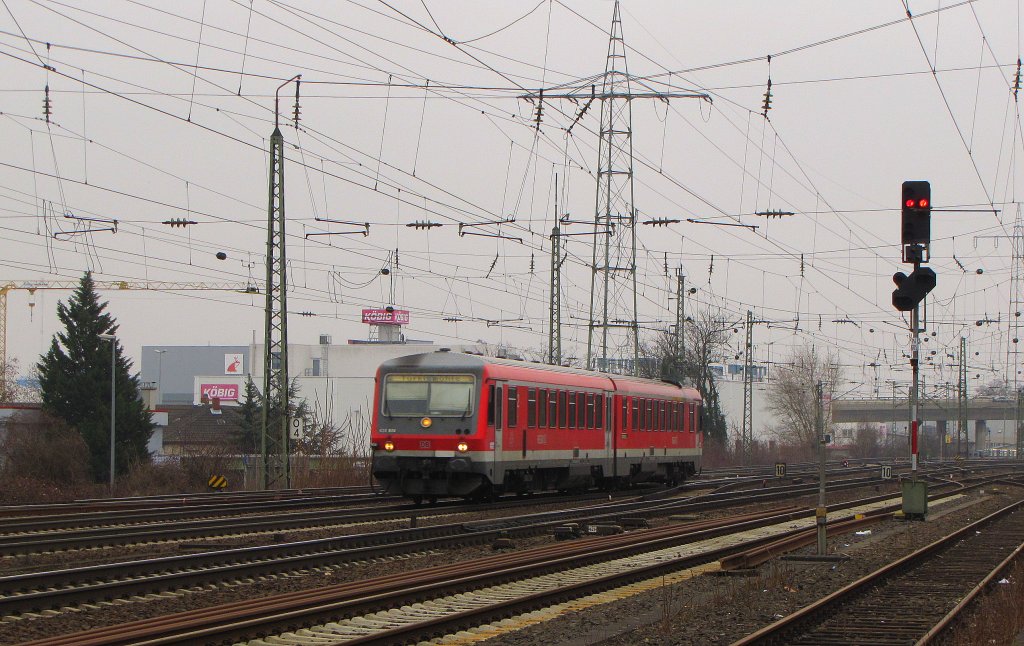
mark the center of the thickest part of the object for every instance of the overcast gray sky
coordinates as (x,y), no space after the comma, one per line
(410,113)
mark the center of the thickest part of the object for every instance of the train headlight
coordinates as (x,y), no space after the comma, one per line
(426,422)
(462,447)
(389,446)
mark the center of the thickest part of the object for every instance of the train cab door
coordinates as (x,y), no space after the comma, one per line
(496,416)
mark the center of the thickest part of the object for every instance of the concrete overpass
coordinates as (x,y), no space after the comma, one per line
(845,411)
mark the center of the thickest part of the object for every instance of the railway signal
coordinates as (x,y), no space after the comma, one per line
(917,213)
(911,289)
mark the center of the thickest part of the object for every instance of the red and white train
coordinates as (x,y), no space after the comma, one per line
(463,425)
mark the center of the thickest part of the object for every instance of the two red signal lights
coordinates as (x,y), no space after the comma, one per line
(917,207)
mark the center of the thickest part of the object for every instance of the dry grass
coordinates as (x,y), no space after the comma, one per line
(997,616)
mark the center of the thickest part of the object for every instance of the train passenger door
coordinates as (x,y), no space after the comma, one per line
(497,409)
(611,435)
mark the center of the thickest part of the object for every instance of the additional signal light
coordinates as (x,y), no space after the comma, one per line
(389,446)
(910,203)
(463,447)
(426,422)
(922,203)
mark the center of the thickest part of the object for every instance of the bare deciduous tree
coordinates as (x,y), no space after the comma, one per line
(791,396)
(10,390)
(866,441)
(706,336)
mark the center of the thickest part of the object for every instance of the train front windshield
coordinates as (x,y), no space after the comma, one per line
(414,395)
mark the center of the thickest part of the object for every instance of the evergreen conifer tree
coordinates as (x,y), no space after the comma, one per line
(74,380)
(247,439)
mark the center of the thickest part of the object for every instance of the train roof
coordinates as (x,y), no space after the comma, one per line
(442,359)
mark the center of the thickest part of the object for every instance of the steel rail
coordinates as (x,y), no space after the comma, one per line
(780,631)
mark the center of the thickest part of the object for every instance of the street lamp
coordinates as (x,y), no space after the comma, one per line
(113,372)
(159,377)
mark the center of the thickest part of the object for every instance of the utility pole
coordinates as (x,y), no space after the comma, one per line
(612,330)
(961,400)
(680,336)
(821,513)
(1019,453)
(748,390)
(915,351)
(275,422)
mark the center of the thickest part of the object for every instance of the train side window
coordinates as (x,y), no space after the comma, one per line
(572,410)
(513,406)
(636,414)
(650,414)
(531,408)
(582,415)
(676,426)
(542,408)
(552,409)
(490,405)
(662,425)
(694,417)
(599,411)
(643,414)
(563,410)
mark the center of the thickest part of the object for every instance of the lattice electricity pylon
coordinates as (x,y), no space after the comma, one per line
(613,317)
(747,432)
(274,442)
(555,309)
(613,343)
(275,422)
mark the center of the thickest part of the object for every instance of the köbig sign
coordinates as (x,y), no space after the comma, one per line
(224,392)
(385,317)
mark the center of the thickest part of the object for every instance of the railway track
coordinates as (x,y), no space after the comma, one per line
(175,500)
(39,535)
(37,538)
(423,604)
(913,599)
(40,591)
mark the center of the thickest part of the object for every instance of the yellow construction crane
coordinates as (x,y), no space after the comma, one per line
(32,285)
